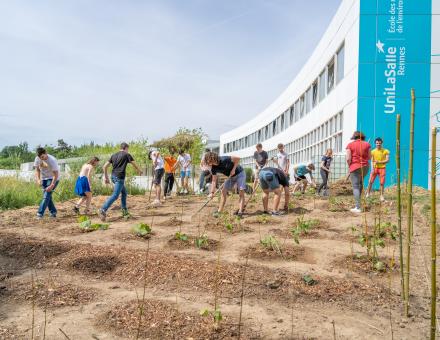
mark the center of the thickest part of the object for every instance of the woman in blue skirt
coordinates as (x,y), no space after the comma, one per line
(83,186)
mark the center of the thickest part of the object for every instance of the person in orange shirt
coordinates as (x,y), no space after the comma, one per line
(169,166)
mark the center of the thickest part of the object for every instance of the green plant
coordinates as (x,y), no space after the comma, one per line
(308,280)
(181,236)
(302,227)
(86,225)
(201,241)
(142,230)
(216,314)
(383,232)
(263,219)
(270,242)
(336,204)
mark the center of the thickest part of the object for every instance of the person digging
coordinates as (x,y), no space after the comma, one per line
(300,172)
(271,179)
(228,166)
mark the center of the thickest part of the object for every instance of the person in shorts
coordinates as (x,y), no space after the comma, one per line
(379,159)
(300,171)
(261,158)
(228,166)
(47,174)
(205,170)
(271,179)
(184,161)
(159,171)
(119,161)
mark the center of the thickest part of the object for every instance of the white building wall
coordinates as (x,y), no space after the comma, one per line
(344,27)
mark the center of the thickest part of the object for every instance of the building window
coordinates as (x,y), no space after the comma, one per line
(330,75)
(314,93)
(322,86)
(309,100)
(266,132)
(292,113)
(282,121)
(302,108)
(340,64)
(274,128)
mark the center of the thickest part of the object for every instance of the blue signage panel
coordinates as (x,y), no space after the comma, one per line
(395,56)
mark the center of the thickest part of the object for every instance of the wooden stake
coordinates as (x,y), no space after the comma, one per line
(409,204)
(433,232)
(399,205)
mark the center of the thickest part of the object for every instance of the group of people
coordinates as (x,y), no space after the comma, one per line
(275,179)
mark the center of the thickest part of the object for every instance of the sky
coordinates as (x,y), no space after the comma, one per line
(112,70)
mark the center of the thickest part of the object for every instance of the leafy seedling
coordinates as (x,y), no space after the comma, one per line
(86,225)
(308,280)
(263,219)
(201,241)
(270,242)
(216,314)
(181,236)
(142,230)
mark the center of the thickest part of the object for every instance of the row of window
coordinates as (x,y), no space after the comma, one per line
(315,143)
(317,91)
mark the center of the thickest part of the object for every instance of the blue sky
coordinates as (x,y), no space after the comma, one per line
(107,70)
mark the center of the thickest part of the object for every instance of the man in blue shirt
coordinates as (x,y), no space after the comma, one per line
(299,172)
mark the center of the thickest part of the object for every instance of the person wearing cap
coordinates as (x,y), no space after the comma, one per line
(299,172)
(358,156)
(271,179)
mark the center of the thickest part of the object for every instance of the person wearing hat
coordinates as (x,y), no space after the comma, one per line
(271,179)
(299,172)
(358,156)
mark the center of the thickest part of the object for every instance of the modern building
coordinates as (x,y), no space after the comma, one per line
(358,78)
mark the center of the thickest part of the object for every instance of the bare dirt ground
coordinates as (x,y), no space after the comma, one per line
(57,282)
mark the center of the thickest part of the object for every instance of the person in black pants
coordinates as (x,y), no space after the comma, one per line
(170,166)
(326,161)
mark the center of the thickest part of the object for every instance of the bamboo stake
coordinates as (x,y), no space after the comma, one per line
(399,205)
(242,296)
(409,204)
(433,232)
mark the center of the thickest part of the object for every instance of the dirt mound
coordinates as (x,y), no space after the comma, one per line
(286,252)
(51,294)
(163,321)
(341,187)
(29,251)
(191,241)
(364,265)
(95,264)
(171,222)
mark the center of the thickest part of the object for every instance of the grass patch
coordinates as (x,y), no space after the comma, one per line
(16,193)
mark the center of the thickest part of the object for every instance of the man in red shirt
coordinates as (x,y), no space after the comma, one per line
(358,156)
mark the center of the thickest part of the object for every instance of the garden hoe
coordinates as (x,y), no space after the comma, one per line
(210,199)
(251,195)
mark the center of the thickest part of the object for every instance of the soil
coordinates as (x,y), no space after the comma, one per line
(91,282)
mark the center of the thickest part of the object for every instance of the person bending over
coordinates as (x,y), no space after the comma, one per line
(271,179)
(228,166)
(300,172)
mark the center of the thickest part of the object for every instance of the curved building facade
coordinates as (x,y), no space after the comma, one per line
(358,78)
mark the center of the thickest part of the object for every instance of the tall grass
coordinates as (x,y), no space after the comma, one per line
(16,193)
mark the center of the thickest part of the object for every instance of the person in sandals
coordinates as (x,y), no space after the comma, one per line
(271,179)
(83,186)
(228,166)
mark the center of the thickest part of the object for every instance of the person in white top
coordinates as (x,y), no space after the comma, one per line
(83,186)
(159,171)
(47,174)
(282,160)
(184,161)
(204,171)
